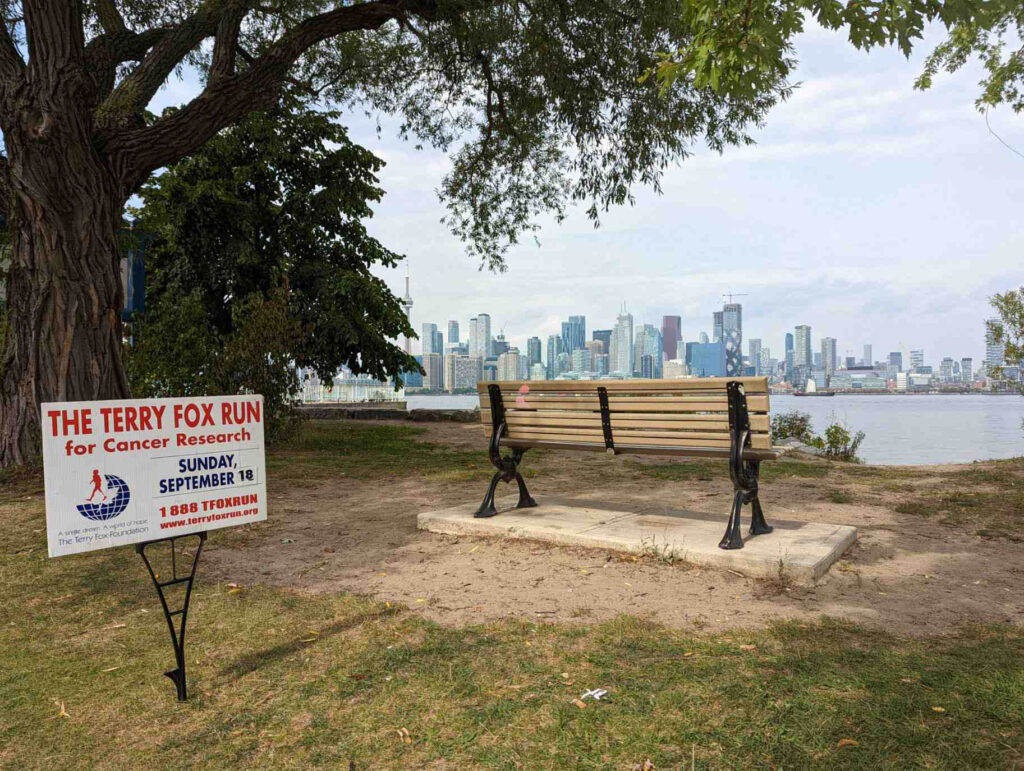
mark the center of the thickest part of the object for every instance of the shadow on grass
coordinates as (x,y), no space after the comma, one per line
(253,660)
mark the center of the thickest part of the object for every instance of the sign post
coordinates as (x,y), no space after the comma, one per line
(149,472)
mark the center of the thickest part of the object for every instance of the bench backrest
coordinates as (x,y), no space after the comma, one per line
(667,413)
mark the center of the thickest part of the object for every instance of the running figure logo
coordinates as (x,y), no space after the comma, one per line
(108,508)
(97,485)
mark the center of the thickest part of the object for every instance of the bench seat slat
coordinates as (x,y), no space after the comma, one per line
(569,426)
(620,404)
(664,438)
(749,453)
(720,422)
(752,385)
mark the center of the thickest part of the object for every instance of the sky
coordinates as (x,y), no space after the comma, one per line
(872,212)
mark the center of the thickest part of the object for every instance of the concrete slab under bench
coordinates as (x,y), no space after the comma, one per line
(803,550)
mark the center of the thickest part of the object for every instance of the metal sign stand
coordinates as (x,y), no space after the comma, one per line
(177,636)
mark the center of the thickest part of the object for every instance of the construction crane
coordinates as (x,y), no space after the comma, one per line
(730,295)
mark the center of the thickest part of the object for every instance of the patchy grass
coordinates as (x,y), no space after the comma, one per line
(839,496)
(999,513)
(323,449)
(708,470)
(681,470)
(287,680)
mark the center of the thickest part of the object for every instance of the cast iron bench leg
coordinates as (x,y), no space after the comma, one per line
(732,538)
(508,469)
(745,484)
(487,507)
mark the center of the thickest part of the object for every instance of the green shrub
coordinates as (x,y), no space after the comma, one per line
(793,425)
(841,445)
(838,443)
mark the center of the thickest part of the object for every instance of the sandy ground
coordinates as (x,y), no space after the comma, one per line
(906,574)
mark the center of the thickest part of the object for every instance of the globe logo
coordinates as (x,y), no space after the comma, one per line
(113,502)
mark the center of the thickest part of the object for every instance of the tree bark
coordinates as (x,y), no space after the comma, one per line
(64,338)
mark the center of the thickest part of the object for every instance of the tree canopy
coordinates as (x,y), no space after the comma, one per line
(741,48)
(539,103)
(259,238)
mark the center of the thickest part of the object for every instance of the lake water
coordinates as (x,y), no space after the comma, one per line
(900,430)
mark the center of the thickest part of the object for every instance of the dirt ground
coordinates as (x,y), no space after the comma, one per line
(906,574)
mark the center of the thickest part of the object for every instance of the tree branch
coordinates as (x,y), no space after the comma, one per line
(226,43)
(110,18)
(56,39)
(12,66)
(136,90)
(137,152)
(106,52)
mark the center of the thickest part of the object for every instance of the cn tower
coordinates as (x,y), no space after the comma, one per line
(407,307)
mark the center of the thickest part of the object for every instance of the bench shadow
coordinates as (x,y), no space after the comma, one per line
(250,662)
(646,508)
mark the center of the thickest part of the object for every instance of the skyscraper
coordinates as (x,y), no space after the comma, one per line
(829,359)
(582,360)
(605,336)
(428,339)
(967,370)
(433,364)
(453,332)
(533,346)
(554,348)
(946,370)
(869,360)
(716,326)
(480,343)
(671,334)
(754,348)
(802,346)
(802,360)
(621,361)
(508,365)
(732,336)
(499,345)
(648,343)
(916,359)
(895,361)
(574,333)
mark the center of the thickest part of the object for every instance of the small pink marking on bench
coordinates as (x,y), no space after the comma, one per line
(523,390)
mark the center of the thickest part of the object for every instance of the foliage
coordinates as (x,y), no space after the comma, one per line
(989,40)
(261,264)
(792,425)
(540,104)
(840,444)
(1008,329)
(740,48)
(837,443)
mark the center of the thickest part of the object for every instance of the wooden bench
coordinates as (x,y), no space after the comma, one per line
(690,418)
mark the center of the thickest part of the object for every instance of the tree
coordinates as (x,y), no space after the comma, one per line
(742,48)
(1008,329)
(261,264)
(539,103)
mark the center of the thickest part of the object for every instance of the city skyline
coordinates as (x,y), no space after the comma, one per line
(813,346)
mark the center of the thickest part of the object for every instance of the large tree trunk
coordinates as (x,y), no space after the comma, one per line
(64,340)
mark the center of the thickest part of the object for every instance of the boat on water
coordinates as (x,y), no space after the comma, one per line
(812,390)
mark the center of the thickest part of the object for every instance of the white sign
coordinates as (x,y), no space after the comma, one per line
(119,472)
